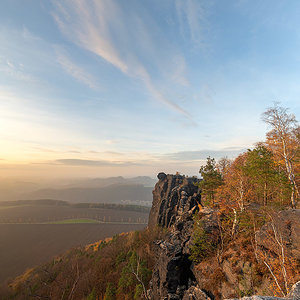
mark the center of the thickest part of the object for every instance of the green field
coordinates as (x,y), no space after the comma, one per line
(37,213)
(76,221)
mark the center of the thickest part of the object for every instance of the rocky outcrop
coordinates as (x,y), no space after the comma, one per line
(175,199)
(287,224)
(295,291)
(173,196)
(294,294)
(258,298)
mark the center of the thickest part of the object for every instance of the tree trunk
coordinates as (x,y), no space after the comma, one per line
(241,192)
(265,194)
(290,173)
(234,225)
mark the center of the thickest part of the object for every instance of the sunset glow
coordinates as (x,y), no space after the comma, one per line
(103,88)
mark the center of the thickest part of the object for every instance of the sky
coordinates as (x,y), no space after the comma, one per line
(101,88)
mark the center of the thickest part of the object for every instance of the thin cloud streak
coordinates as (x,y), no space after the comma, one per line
(94,27)
(88,162)
(74,70)
(202,154)
(192,17)
(159,96)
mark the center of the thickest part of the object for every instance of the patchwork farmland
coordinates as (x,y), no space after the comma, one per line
(33,234)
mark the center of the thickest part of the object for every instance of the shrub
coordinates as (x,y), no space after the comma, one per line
(202,244)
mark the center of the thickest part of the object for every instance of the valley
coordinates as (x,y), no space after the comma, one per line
(33,232)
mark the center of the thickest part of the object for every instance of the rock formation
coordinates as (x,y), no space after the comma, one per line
(175,199)
(294,294)
(287,222)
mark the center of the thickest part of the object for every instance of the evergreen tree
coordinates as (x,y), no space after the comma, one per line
(211,179)
(262,171)
(110,293)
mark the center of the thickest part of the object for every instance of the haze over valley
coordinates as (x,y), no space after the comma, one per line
(137,190)
(50,217)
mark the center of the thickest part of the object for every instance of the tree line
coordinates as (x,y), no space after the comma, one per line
(266,175)
(247,193)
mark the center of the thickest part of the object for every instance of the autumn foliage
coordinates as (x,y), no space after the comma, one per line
(248,192)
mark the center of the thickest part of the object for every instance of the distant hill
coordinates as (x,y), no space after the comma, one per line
(115,193)
(136,190)
(102,182)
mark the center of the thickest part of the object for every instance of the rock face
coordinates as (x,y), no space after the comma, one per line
(295,291)
(294,294)
(288,223)
(173,196)
(175,199)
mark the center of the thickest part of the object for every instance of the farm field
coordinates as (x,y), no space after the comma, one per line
(54,213)
(33,232)
(24,246)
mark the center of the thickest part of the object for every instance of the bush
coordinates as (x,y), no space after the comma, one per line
(202,244)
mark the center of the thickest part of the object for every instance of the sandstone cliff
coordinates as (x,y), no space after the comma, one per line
(176,199)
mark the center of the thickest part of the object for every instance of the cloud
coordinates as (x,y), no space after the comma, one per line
(202,154)
(46,150)
(179,73)
(74,70)
(16,71)
(111,142)
(21,64)
(159,96)
(125,37)
(192,19)
(87,162)
(86,25)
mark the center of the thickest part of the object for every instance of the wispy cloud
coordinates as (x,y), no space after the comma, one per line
(123,38)
(202,154)
(192,18)
(87,162)
(16,71)
(86,24)
(18,64)
(74,70)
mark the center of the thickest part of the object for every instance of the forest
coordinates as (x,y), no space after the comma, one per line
(252,193)
(267,175)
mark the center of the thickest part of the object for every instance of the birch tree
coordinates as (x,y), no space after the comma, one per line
(283,139)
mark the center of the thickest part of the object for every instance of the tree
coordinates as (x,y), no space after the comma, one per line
(135,273)
(202,245)
(92,296)
(110,292)
(212,179)
(273,250)
(265,176)
(223,165)
(236,190)
(284,141)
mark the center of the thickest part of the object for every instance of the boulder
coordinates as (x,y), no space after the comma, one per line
(295,291)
